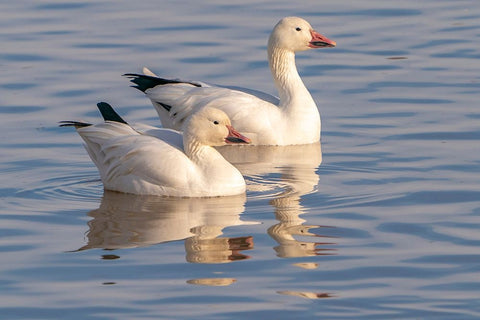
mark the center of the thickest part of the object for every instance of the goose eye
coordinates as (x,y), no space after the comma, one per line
(298,29)
(215,122)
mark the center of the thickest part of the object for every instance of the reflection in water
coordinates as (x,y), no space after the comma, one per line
(296,164)
(307,295)
(207,248)
(288,210)
(297,169)
(213,282)
(128,221)
(306,265)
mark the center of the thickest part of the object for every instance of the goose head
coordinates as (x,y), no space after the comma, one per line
(295,34)
(212,127)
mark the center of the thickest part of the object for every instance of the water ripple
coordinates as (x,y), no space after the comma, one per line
(85,188)
(397,188)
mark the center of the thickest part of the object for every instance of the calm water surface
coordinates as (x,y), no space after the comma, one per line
(384,226)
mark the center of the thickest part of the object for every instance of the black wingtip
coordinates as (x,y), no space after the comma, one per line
(108,113)
(75,124)
(144,82)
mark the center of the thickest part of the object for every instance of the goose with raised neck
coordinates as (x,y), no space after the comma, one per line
(293,118)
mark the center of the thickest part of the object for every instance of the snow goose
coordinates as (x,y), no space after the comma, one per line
(157,162)
(266,120)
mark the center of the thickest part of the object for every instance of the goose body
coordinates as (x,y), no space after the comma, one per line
(293,118)
(164,162)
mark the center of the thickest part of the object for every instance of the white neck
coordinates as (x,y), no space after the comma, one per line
(218,174)
(195,150)
(290,86)
(296,104)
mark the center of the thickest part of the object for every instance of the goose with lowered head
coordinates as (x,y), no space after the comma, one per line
(164,162)
(293,118)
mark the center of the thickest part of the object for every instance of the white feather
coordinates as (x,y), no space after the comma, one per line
(162,161)
(267,120)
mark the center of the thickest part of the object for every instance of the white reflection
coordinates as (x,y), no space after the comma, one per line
(128,221)
(213,282)
(297,164)
(297,168)
(307,295)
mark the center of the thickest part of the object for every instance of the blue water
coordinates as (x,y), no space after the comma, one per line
(380,221)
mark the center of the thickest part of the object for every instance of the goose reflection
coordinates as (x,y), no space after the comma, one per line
(129,221)
(296,166)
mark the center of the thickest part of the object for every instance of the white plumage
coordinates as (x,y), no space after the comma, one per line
(293,118)
(165,162)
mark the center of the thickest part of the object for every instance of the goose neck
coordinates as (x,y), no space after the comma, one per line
(287,80)
(193,149)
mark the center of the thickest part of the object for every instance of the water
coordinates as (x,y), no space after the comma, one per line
(383,226)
